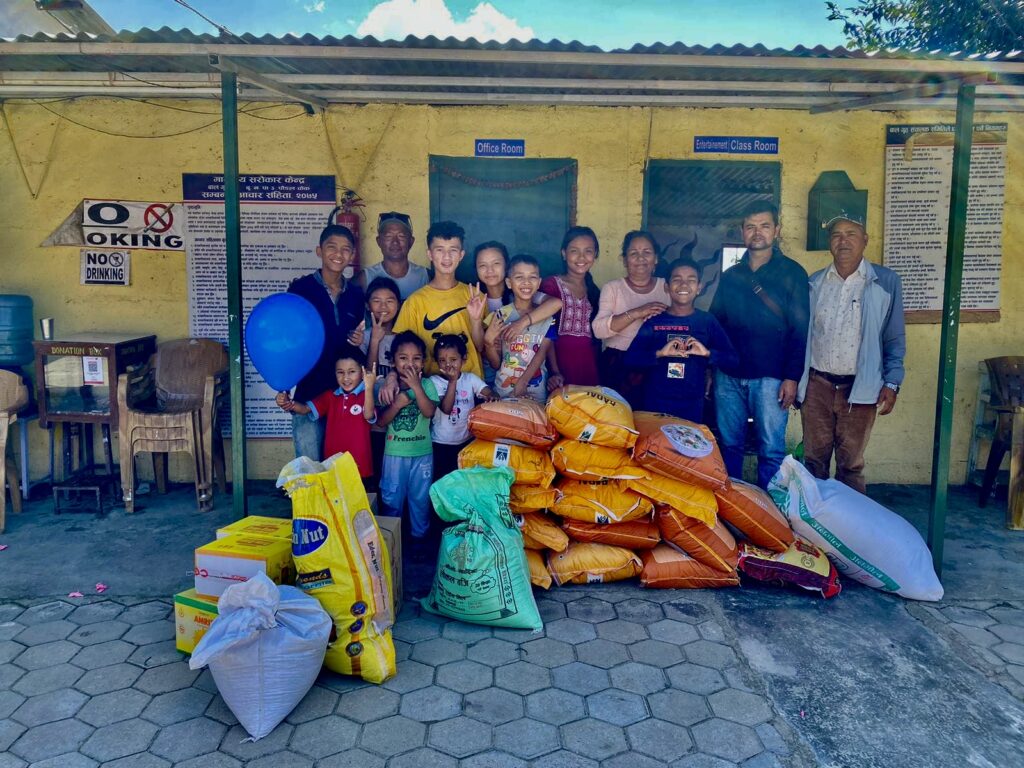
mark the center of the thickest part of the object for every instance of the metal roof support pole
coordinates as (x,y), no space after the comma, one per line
(950,320)
(233,254)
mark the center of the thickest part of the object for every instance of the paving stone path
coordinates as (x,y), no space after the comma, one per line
(618,678)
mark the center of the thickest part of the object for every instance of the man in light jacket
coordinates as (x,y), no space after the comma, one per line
(854,361)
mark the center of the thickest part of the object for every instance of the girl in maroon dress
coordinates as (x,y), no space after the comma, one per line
(575,350)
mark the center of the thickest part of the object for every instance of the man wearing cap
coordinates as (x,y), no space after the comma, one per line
(395,240)
(854,362)
(761,302)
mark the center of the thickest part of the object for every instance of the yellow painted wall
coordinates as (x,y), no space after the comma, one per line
(382,151)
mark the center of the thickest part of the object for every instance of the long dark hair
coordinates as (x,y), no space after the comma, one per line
(506,294)
(593,292)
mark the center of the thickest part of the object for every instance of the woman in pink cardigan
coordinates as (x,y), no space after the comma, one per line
(624,306)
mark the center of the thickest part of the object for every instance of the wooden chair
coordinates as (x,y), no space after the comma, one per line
(13,397)
(1006,375)
(172,406)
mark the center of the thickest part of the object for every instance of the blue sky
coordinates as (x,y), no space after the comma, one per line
(607,23)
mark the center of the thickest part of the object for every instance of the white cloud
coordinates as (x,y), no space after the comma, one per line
(396,19)
(317,7)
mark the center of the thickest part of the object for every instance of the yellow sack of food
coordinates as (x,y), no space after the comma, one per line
(699,503)
(592,415)
(341,560)
(600,501)
(541,532)
(593,563)
(539,575)
(531,498)
(531,466)
(589,461)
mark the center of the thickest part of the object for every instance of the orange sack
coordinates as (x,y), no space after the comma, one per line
(752,512)
(712,545)
(679,449)
(665,567)
(602,502)
(634,534)
(588,461)
(593,563)
(515,420)
(592,415)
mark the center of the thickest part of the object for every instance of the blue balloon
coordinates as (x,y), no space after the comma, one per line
(284,337)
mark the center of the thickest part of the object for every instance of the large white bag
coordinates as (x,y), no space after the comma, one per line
(265,649)
(866,541)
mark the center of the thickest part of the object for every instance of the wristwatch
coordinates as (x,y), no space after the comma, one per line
(894,387)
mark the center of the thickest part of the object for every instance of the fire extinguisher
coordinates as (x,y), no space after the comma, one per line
(347,215)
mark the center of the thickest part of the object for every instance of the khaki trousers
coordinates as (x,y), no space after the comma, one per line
(832,424)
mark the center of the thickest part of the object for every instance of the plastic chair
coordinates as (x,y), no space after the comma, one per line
(1006,376)
(172,405)
(13,397)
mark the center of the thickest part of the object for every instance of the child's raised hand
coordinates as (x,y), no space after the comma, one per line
(284,402)
(695,348)
(370,376)
(515,327)
(355,337)
(477,303)
(674,348)
(377,330)
(494,330)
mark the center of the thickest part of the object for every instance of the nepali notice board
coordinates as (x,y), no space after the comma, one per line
(281,218)
(918,183)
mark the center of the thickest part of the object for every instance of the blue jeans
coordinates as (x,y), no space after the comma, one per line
(408,478)
(308,436)
(735,401)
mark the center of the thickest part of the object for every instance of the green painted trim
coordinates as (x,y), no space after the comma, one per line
(200,605)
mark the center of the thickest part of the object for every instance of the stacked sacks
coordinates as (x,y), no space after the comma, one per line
(605,519)
(516,433)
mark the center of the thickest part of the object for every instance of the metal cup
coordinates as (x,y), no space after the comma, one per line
(46,328)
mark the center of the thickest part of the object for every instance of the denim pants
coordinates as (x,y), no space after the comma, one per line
(308,436)
(408,478)
(735,401)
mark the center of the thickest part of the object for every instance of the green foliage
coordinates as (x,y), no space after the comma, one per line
(974,26)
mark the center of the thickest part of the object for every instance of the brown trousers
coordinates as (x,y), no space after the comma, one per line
(832,423)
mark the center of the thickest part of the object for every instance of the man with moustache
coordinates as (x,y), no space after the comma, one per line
(395,240)
(854,361)
(762,303)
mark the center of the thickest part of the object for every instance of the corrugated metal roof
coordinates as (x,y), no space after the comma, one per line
(452,71)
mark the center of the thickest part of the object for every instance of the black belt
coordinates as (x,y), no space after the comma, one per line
(833,378)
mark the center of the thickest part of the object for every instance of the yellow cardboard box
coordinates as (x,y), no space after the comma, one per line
(270,527)
(193,615)
(239,557)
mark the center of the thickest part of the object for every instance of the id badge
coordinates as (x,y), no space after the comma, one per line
(676,370)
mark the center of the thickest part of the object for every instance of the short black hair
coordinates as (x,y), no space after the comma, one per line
(522,258)
(445,230)
(350,352)
(383,283)
(455,341)
(638,233)
(760,206)
(407,337)
(337,229)
(685,261)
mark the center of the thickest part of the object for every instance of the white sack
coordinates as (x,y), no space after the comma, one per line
(265,650)
(866,541)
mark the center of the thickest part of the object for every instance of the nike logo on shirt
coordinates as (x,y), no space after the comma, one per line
(432,325)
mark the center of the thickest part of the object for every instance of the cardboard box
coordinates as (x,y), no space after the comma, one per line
(239,557)
(391,530)
(269,527)
(193,615)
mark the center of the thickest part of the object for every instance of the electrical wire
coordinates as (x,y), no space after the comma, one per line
(122,135)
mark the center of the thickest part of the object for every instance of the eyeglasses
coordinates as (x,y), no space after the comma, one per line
(401,218)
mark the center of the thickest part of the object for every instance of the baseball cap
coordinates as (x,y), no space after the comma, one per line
(389,216)
(856,218)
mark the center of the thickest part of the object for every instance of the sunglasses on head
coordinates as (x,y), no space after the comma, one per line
(394,216)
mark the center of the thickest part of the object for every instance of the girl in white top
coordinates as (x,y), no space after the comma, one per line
(624,306)
(459,391)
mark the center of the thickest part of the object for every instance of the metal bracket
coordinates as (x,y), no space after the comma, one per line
(249,75)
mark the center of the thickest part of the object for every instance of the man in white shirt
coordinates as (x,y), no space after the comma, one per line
(854,362)
(395,240)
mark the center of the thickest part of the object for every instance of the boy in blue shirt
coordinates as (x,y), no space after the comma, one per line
(677,347)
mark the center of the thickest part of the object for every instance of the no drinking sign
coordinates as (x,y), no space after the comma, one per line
(106,267)
(131,224)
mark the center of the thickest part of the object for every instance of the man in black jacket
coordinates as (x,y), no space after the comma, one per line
(762,302)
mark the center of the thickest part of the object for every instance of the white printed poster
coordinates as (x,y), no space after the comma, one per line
(918,180)
(282,217)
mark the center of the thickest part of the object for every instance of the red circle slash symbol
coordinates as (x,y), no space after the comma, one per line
(158,218)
